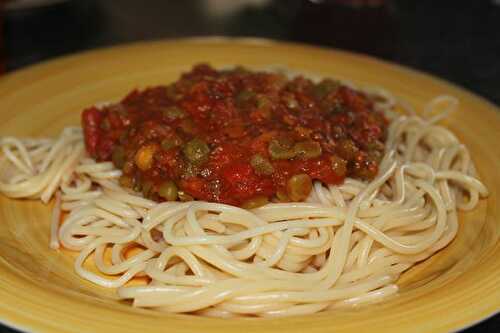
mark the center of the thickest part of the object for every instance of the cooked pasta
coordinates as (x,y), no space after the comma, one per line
(345,245)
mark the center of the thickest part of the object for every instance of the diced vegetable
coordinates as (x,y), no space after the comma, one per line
(261,165)
(144,156)
(307,149)
(299,186)
(255,202)
(281,149)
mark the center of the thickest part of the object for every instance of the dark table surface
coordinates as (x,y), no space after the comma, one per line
(455,40)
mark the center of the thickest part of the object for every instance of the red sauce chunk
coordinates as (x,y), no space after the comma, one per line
(237,136)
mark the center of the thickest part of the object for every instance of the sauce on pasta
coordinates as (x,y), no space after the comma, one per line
(238,137)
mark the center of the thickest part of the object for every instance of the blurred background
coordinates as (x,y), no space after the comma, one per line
(456,40)
(453,39)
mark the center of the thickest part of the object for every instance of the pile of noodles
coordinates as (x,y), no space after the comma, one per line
(345,245)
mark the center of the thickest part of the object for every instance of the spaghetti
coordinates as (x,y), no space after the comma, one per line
(345,245)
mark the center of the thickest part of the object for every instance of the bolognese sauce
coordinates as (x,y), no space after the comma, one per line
(237,136)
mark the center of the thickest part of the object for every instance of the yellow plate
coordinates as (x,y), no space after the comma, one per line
(40,292)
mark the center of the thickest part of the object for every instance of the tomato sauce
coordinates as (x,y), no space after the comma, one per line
(237,136)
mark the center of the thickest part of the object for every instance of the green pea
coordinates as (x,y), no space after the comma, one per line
(261,165)
(307,149)
(196,151)
(168,191)
(299,186)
